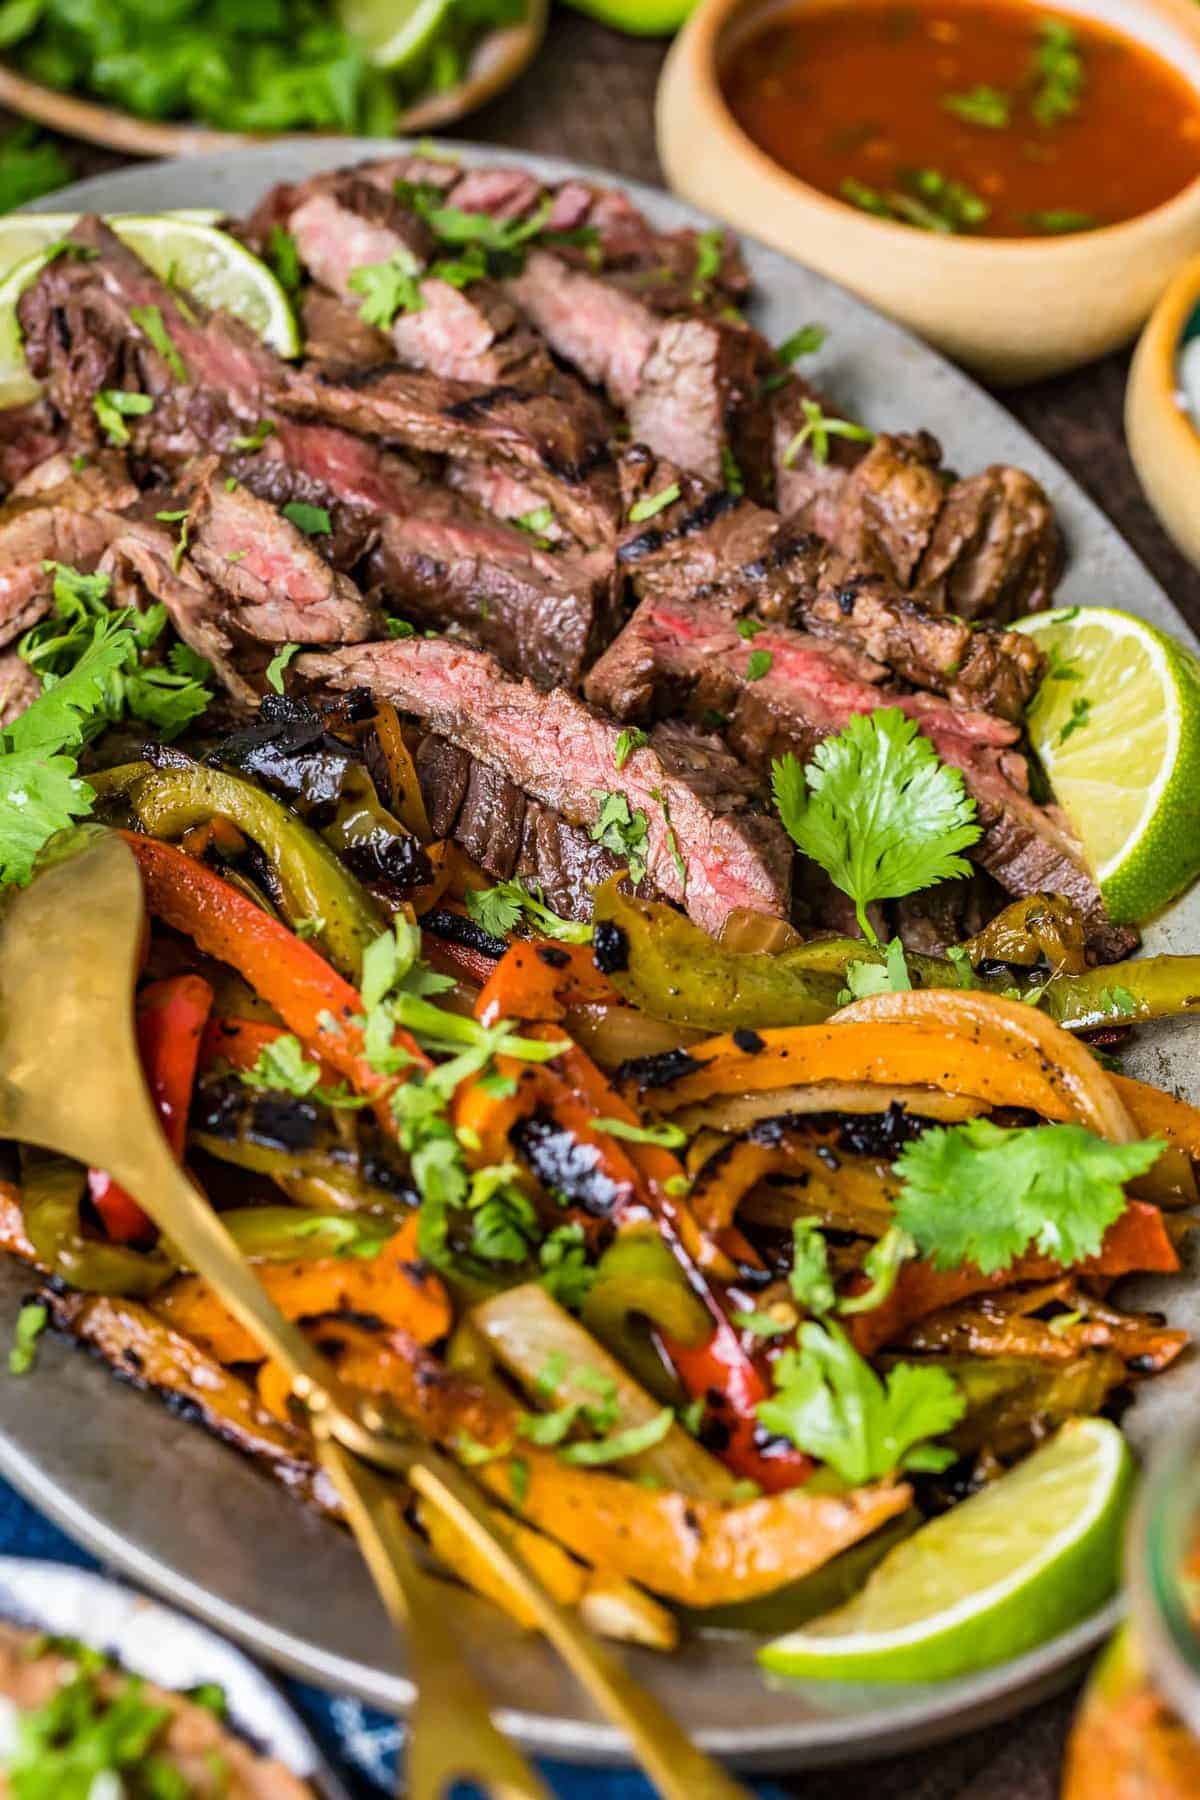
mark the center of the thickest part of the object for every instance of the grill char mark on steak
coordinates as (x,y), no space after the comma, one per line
(562,754)
(688,656)
(712,545)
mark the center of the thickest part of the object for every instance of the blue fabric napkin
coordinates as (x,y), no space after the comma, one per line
(360,1743)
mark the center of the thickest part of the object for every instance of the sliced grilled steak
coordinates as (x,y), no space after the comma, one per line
(996,551)
(142,558)
(336,333)
(505,495)
(808,490)
(688,543)
(712,545)
(677,656)
(599,328)
(281,589)
(443,562)
(889,504)
(56,515)
(559,752)
(28,436)
(550,445)
(19,687)
(695,402)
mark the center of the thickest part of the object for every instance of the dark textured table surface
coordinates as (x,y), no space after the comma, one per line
(590,95)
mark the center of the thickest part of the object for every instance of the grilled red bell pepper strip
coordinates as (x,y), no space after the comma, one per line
(315,1003)
(541,980)
(171,1017)
(721,1373)
(240,1042)
(1135,1243)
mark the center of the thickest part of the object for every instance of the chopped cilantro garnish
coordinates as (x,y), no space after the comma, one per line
(621,831)
(31,1322)
(652,504)
(278,664)
(254,440)
(387,288)
(499,909)
(758,664)
(149,320)
(314,521)
(631,738)
(112,406)
(818,429)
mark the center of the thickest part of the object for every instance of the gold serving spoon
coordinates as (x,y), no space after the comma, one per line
(69,953)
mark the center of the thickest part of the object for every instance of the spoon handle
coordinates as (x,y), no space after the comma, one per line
(451,1736)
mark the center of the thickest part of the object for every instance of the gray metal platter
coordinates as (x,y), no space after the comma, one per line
(189,1520)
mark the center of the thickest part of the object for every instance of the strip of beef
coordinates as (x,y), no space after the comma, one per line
(19,687)
(695,402)
(807,488)
(279,587)
(548,444)
(444,562)
(711,544)
(599,328)
(676,656)
(474,333)
(335,332)
(996,551)
(56,514)
(142,559)
(505,496)
(562,754)
(689,542)
(28,436)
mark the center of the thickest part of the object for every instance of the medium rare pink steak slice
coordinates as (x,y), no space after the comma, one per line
(710,858)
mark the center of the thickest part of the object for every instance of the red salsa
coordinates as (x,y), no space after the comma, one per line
(997,119)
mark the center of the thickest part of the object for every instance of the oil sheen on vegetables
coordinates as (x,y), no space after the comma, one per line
(968,116)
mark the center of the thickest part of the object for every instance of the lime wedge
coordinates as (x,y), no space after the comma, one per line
(217,269)
(21,234)
(180,247)
(397,33)
(1116,724)
(1017,1563)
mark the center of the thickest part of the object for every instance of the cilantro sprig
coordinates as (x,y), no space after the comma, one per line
(878,810)
(500,909)
(983,1194)
(829,1402)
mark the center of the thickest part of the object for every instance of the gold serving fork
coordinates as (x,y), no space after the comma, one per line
(71,1081)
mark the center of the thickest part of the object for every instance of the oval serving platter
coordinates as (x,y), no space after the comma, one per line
(189,1520)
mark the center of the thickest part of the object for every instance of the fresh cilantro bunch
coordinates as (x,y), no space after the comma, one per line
(829,1402)
(878,810)
(89,659)
(979,1193)
(30,164)
(499,910)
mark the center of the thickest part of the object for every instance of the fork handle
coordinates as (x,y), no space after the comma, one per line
(451,1736)
(677,1768)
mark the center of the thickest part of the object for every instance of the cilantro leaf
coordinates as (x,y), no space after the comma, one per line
(149,321)
(314,521)
(652,504)
(877,810)
(829,1402)
(666,1136)
(387,288)
(881,1265)
(630,739)
(112,406)
(278,664)
(284,258)
(500,909)
(890,976)
(979,1193)
(810,1279)
(622,831)
(566,1274)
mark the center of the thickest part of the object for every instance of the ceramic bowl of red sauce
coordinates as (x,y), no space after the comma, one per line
(1016,182)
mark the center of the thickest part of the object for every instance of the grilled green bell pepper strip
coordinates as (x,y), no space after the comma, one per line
(659,961)
(51,1191)
(639,1282)
(314,886)
(301,1234)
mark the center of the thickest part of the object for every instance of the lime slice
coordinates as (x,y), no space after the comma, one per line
(1027,1557)
(21,234)
(397,33)
(1116,724)
(179,247)
(217,269)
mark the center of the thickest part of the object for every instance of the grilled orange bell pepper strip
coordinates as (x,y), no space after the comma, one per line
(311,998)
(1160,1115)
(394,1286)
(541,980)
(171,1015)
(1135,1243)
